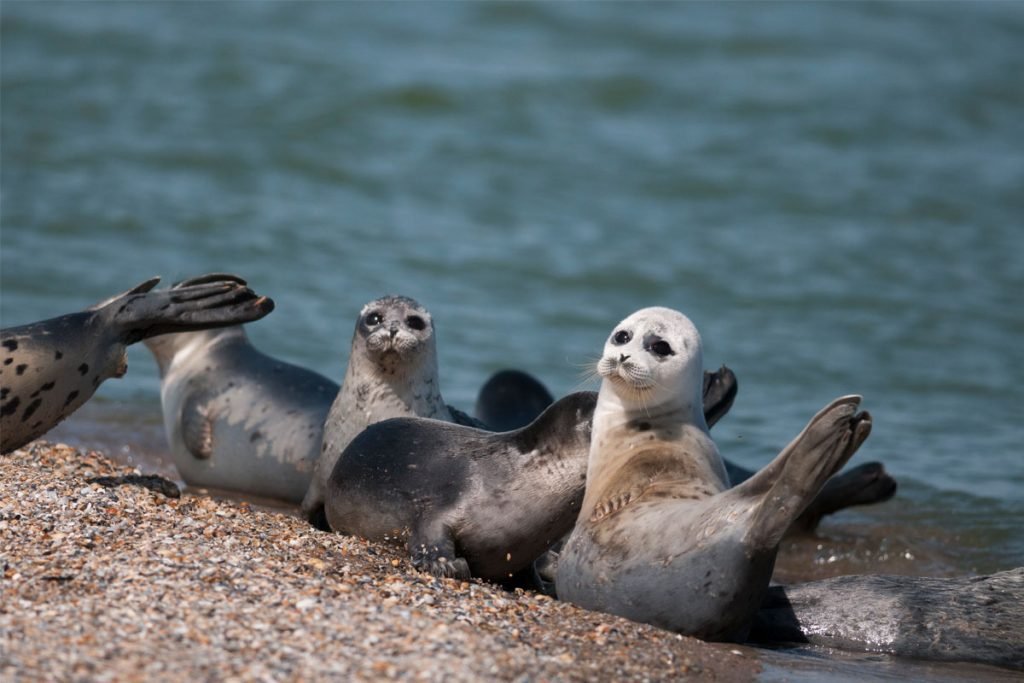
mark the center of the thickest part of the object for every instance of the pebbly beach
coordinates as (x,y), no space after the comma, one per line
(108,574)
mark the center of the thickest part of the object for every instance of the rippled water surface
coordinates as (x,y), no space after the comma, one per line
(832,192)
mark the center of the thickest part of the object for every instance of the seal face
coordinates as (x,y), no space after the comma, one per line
(392,372)
(660,537)
(238,419)
(52,367)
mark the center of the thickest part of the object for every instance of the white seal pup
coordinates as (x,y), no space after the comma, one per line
(392,372)
(52,367)
(661,538)
(237,419)
(469,502)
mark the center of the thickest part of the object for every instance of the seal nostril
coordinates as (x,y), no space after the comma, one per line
(623,358)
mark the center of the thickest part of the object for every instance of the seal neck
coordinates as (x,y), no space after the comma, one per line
(632,448)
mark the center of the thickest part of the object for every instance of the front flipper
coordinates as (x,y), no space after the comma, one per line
(197,426)
(432,549)
(786,486)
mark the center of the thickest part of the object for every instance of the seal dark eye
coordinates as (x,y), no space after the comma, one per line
(416,323)
(621,337)
(662,348)
(374,318)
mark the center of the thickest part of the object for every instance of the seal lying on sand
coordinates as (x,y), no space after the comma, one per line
(977,619)
(471,502)
(52,367)
(660,538)
(511,399)
(238,419)
(392,372)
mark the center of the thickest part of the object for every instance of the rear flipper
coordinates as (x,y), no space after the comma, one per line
(432,549)
(862,485)
(214,300)
(719,392)
(786,486)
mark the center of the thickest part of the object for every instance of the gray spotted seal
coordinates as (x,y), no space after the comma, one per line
(392,372)
(238,419)
(661,538)
(976,619)
(52,367)
(471,502)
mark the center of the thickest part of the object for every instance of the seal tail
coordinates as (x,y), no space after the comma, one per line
(788,484)
(208,301)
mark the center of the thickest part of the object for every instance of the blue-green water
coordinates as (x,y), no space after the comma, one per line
(834,193)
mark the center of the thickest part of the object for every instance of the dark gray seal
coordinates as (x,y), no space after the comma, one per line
(511,399)
(237,419)
(52,367)
(471,502)
(661,538)
(976,619)
(392,372)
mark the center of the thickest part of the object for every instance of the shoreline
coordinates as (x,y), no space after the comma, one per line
(116,579)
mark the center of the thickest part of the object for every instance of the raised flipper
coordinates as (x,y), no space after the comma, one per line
(720,389)
(213,300)
(865,484)
(432,549)
(786,486)
(862,485)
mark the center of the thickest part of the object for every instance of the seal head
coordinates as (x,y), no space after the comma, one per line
(392,372)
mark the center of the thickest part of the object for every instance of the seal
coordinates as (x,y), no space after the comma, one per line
(471,502)
(237,419)
(976,619)
(392,372)
(661,538)
(50,368)
(511,399)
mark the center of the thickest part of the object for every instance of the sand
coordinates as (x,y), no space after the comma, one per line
(109,575)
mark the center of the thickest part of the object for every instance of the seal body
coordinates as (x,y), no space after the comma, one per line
(471,502)
(238,419)
(392,372)
(661,538)
(52,367)
(466,501)
(976,619)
